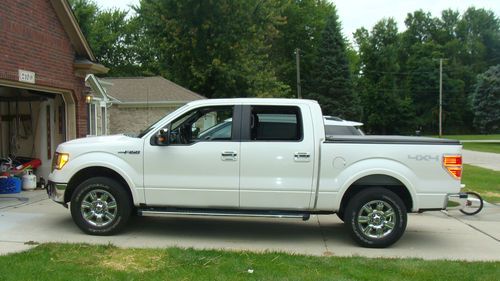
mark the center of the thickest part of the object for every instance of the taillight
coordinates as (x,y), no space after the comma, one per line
(453,164)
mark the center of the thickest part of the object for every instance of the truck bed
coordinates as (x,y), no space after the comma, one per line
(390,140)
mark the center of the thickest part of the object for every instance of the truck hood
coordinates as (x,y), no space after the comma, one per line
(97,140)
(107,144)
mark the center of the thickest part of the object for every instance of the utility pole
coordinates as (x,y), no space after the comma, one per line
(440,97)
(297,59)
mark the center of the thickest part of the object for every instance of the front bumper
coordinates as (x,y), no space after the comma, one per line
(56,191)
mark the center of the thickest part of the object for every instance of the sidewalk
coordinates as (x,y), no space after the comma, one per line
(482,159)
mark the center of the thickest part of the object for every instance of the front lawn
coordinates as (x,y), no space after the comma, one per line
(477,146)
(482,146)
(472,137)
(86,262)
(484,181)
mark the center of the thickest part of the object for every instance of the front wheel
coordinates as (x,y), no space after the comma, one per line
(100,206)
(376,218)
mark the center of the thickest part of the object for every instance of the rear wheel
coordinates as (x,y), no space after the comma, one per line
(100,206)
(376,218)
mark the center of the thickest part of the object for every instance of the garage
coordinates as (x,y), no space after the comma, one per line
(44,59)
(32,124)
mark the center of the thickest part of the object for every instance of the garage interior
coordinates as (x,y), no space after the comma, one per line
(32,124)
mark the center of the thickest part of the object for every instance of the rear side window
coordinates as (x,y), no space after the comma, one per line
(275,123)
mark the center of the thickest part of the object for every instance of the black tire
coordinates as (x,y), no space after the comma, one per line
(340,215)
(106,209)
(472,211)
(365,229)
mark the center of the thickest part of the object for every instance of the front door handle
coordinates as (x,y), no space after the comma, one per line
(302,157)
(229,156)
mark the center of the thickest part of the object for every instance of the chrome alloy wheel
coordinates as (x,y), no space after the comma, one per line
(376,219)
(99,207)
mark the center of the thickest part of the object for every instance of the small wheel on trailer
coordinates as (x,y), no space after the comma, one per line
(473,205)
(376,217)
(100,206)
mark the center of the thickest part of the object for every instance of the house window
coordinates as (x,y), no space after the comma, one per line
(92,120)
(103,121)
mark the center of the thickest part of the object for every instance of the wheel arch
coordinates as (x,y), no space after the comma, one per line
(96,171)
(387,179)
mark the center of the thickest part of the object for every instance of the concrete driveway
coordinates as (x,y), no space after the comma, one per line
(434,235)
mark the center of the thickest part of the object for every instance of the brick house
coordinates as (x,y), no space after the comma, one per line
(44,59)
(137,102)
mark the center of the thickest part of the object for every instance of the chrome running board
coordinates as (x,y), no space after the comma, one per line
(159,212)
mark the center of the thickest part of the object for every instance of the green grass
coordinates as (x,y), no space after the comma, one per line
(86,262)
(483,147)
(472,137)
(484,181)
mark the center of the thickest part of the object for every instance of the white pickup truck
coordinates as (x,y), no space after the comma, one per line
(272,160)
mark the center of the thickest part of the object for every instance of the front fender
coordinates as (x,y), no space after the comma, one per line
(131,175)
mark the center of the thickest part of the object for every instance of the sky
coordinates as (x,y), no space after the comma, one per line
(358,13)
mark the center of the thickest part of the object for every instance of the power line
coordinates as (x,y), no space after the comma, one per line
(397,72)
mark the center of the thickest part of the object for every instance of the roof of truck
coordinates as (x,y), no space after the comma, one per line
(265,101)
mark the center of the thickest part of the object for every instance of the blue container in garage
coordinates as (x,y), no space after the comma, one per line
(10,185)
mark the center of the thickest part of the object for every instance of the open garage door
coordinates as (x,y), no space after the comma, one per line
(32,124)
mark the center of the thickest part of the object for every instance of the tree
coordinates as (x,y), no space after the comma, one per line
(331,83)
(398,72)
(387,110)
(85,12)
(486,101)
(479,32)
(216,48)
(418,77)
(111,37)
(304,22)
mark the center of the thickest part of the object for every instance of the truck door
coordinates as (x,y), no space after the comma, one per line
(277,157)
(200,165)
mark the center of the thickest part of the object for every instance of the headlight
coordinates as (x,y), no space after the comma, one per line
(60,160)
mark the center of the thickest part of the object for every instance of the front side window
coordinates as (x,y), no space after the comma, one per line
(275,123)
(203,124)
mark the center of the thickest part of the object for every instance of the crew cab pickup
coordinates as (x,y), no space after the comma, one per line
(272,160)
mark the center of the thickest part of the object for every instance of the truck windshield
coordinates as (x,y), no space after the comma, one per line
(154,125)
(147,130)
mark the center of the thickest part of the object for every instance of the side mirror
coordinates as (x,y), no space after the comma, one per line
(161,138)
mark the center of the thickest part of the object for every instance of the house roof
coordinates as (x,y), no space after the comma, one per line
(148,90)
(86,62)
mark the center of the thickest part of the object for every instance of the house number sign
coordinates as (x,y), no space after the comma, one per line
(26,76)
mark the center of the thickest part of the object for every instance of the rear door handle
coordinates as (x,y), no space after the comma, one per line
(229,156)
(302,157)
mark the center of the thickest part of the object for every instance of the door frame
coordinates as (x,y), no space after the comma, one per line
(235,140)
(67,97)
